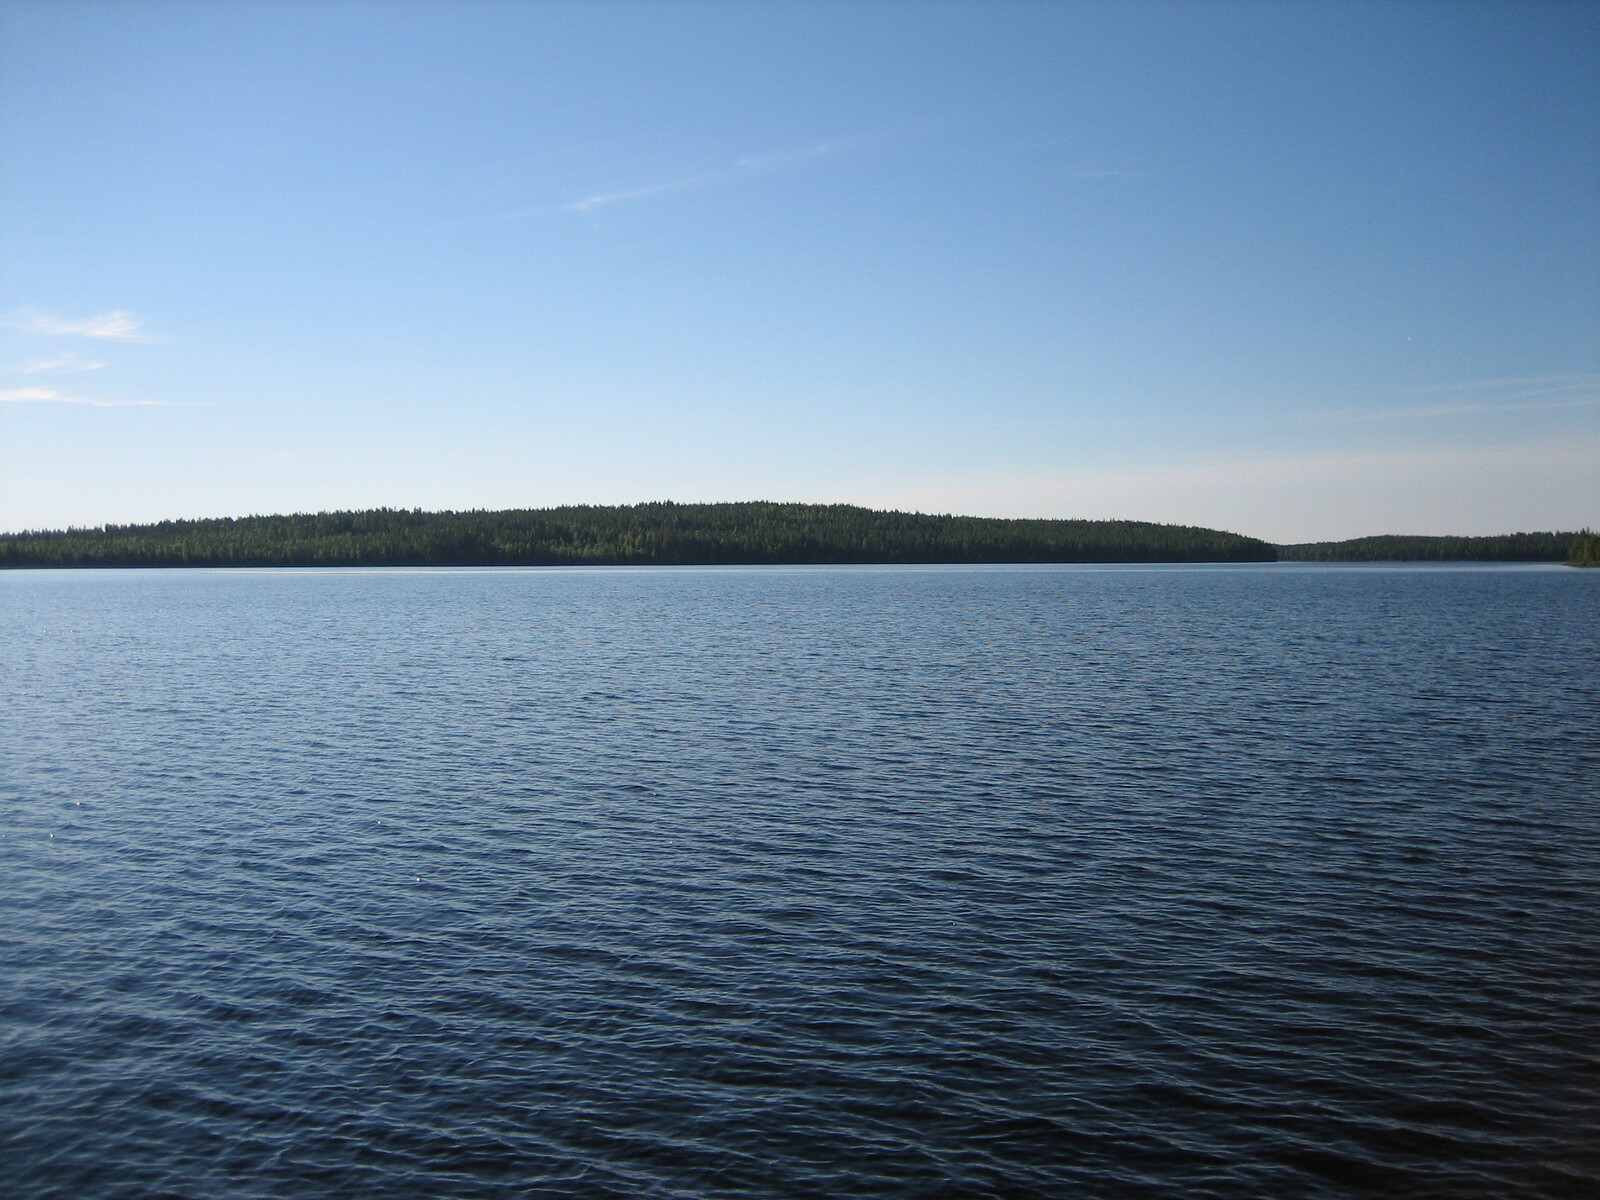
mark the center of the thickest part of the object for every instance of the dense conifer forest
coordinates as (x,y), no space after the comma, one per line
(1585,551)
(660,533)
(1510,547)
(665,533)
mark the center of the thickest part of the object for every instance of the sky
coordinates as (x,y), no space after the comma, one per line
(1298,270)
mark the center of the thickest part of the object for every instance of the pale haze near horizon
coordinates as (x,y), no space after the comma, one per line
(1297,270)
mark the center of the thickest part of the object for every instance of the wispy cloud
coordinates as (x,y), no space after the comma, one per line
(1481,396)
(1453,410)
(1517,385)
(44,395)
(1300,497)
(66,364)
(117,326)
(1211,475)
(760,164)
(1247,472)
(1089,172)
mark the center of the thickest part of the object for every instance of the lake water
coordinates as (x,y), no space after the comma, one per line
(1244,881)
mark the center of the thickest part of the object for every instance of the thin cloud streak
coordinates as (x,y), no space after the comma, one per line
(1089,173)
(1453,410)
(66,365)
(1274,469)
(1231,474)
(42,395)
(1582,379)
(116,326)
(760,164)
(1301,497)
(1504,396)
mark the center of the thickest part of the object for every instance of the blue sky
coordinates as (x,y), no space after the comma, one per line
(1299,270)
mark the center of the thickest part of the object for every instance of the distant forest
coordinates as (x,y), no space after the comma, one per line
(665,533)
(1510,547)
(660,534)
(1585,550)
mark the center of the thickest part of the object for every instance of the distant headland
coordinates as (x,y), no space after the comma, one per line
(1585,550)
(757,532)
(1508,547)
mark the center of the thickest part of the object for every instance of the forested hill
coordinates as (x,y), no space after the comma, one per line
(1585,550)
(1510,547)
(660,533)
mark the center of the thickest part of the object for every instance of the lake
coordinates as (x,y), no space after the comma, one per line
(1238,881)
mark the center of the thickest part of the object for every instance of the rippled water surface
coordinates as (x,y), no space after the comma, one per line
(1242,881)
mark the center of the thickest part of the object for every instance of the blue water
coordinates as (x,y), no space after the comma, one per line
(1238,881)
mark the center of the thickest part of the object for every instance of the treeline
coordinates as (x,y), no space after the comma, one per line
(660,533)
(1509,547)
(1585,551)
